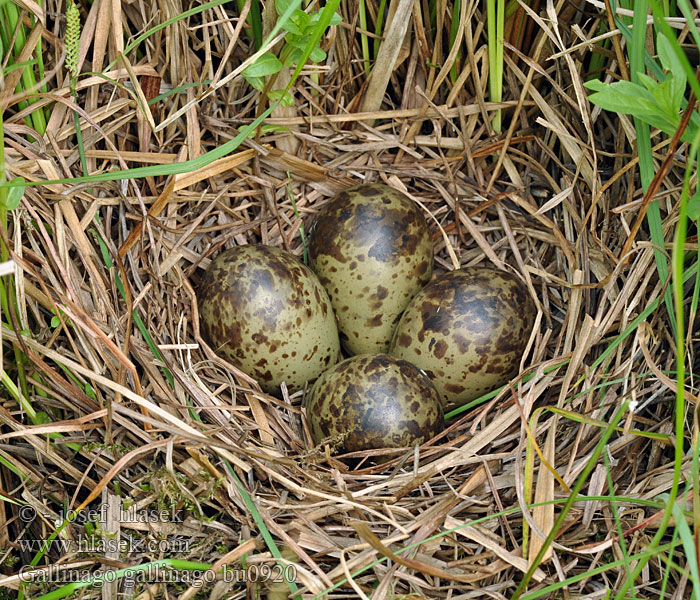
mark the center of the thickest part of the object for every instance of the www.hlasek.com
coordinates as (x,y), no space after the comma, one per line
(252,573)
(93,545)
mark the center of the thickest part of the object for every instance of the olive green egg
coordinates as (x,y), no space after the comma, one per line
(467,330)
(371,249)
(370,401)
(266,313)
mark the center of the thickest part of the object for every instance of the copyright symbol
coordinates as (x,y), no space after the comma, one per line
(27,514)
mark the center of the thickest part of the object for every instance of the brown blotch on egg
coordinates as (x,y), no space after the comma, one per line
(372,234)
(373,401)
(468,330)
(257,300)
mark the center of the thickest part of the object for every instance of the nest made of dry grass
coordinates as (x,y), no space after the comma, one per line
(553,198)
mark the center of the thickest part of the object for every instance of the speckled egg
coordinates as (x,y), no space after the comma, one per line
(373,401)
(266,313)
(467,330)
(372,251)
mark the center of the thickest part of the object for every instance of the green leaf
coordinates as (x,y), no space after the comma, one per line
(663,94)
(274,129)
(660,121)
(297,41)
(286,99)
(298,23)
(669,60)
(293,28)
(694,205)
(688,541)
(14,196)
(663,47)
(317,55)
(633,99)
(596,85)
(55,321)
(41,418)
(246,129)
(295,47)
(267,64)
(293,57)
(678,92)
(650,83)
(257,82)
(282,5)
(90,392)
(336,19)
(624,97)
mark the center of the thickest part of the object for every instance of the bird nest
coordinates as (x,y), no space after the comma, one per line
(122,418)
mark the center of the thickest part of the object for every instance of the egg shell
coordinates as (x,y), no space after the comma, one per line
(265,312)
(371,249)
(467,330)
(373,401)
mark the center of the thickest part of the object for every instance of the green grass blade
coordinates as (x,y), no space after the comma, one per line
(454,28)
(364,41)
(37,118)
(690,21)
(495,17)
(688,541)
(646,162)
(255,19)
(379,25)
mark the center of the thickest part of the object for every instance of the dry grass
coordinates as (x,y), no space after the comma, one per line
(553,198)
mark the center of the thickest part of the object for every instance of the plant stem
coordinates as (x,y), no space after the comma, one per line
(363,38)
(495,16)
